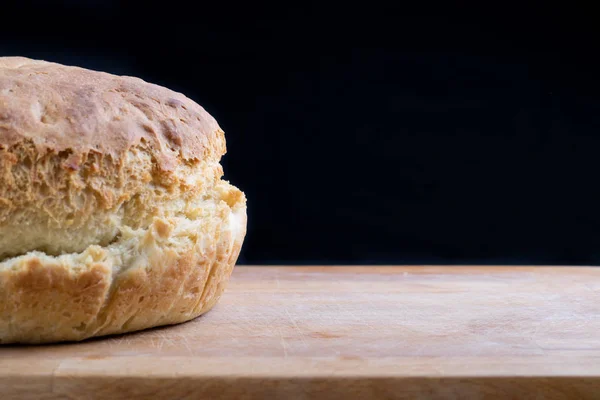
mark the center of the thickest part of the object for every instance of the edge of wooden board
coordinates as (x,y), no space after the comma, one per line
(350,367)
(177,377)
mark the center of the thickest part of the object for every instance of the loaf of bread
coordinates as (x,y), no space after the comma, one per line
(113,214)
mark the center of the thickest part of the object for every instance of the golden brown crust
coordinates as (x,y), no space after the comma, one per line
(113,214)
(61,108)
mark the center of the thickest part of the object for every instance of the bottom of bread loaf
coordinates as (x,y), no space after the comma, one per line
(169,272)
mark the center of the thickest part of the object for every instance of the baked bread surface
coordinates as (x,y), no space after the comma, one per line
(113,213)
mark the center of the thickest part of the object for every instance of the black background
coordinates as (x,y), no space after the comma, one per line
(371,133)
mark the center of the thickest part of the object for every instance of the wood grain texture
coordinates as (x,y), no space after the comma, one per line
(347,332)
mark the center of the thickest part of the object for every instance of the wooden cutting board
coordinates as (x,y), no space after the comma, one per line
(347,332)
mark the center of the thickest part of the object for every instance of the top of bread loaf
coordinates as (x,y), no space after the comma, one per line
(62,108)
(85,155)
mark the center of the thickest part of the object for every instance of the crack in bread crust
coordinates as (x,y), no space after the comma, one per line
(57,210)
